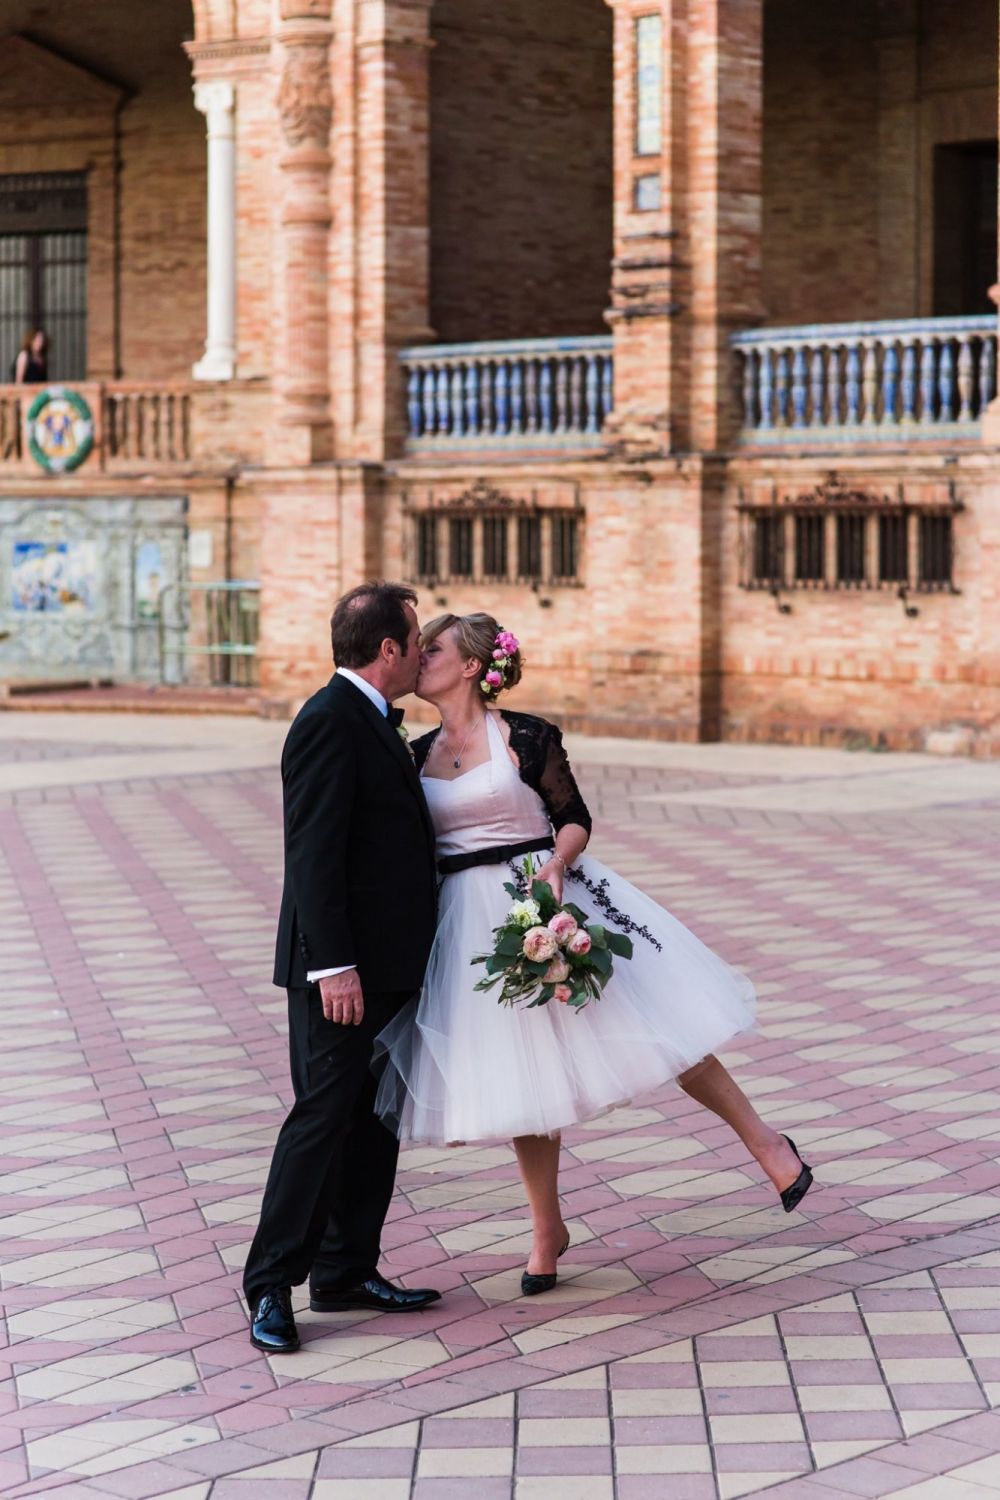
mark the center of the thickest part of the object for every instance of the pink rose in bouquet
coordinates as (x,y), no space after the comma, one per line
(562,927)
(564,955)
(539,945)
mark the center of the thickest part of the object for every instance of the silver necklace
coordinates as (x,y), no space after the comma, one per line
(457,762)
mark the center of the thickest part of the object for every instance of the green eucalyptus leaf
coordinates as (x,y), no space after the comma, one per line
(541,892)
(600,960)
(619,944)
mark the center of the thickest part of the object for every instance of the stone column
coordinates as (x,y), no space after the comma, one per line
(217,102)
(686,268)
(302,338)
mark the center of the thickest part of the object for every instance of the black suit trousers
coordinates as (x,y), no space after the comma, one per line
(334,1163)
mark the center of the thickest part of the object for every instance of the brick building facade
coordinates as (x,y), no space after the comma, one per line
(663,328)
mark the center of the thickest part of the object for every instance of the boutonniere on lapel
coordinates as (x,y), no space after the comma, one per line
(404,735)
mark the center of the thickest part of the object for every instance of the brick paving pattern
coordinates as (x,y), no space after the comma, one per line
(700,1344)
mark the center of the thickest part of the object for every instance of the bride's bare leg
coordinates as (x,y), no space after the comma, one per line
(709,1083)
(538,1159)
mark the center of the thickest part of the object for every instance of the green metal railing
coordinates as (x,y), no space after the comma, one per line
(218,621)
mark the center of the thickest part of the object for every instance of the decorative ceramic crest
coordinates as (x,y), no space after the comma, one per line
(60,429)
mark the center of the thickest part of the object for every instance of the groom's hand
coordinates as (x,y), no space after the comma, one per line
(343,1002)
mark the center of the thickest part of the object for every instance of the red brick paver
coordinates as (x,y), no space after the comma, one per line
(700,1343)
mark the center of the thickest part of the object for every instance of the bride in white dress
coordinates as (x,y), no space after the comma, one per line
(458,1066)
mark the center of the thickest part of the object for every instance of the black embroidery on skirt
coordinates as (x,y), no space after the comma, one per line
(599,891)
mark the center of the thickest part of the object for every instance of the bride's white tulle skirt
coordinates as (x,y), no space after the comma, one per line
(460,1067)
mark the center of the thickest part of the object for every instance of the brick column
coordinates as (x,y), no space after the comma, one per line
(301,353)
(382,231)
(898,52)
(686,270)
(724,196)
(991,417)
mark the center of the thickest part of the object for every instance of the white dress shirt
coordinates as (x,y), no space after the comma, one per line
(374,696)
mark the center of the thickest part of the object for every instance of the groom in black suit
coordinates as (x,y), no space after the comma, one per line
(356,926)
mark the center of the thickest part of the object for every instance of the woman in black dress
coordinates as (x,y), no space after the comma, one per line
(31,367)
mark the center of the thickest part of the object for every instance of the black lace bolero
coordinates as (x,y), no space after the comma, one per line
(543,764)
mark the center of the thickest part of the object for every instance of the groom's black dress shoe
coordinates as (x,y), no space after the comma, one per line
(376,1293)
(272,1327)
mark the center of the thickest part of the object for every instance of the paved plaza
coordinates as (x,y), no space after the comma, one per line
(700,1344)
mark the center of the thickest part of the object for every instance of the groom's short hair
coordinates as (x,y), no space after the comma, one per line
(366,616)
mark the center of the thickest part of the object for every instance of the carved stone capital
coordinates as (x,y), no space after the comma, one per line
(215,98)
(305,101)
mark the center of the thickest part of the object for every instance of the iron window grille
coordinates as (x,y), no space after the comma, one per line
(495,547)
(935,545)
(848,541)
(851,538)
(529,549)
(538,548)
(810,550)
(460,548)
(893,566)
(768,542)
(564,545)
(427,548)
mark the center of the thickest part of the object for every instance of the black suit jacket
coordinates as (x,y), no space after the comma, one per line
(360,882)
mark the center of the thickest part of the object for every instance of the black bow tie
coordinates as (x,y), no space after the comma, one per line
(395,716)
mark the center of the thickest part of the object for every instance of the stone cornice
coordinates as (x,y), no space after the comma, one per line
(238,54)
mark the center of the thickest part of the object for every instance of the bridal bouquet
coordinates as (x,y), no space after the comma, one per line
(546,951)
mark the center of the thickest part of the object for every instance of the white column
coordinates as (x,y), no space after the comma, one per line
(217,101)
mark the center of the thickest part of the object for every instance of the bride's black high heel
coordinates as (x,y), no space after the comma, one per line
(793,1195)
(532,1284)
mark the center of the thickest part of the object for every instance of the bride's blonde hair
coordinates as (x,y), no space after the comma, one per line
(476,636)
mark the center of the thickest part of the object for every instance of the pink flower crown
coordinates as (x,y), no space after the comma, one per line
(505,648)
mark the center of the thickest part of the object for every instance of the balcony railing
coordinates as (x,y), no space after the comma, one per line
(151,424)
(927,379)
(144,427)
(528,393)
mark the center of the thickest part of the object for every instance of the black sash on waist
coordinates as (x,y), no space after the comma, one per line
(496,854)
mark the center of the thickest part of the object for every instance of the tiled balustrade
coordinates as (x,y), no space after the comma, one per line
(527,392)
(867,382)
